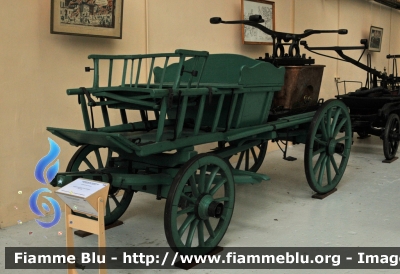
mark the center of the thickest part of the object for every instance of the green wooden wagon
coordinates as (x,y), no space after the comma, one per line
(181,100)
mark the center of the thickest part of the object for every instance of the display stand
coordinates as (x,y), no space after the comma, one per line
(89,198)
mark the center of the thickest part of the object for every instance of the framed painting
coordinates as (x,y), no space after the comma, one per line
(97,18)
(264,8)
(375,39)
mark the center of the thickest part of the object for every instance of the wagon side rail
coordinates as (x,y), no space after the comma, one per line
(186,113)
(131,86)
(132,78)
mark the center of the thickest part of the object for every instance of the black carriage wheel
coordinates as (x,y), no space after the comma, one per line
(95,157)
(248,160)
(199,205)
(327,148)
(391,136)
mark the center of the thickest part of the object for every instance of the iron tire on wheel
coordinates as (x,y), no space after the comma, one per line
(327,148)
(391,136)
(90,152)
(199,205)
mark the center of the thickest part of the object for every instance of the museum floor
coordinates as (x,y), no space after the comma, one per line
(276,213)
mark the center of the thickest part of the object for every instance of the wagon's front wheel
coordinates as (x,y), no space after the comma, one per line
(391,136)
(327,148)
(199,205)
(94,157)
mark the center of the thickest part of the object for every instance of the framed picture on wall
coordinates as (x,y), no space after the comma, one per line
(97,18)
(266,9)
(375,39)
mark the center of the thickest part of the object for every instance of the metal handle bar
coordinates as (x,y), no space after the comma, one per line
(255,20)
(339,50)
(393,56)
(364,42)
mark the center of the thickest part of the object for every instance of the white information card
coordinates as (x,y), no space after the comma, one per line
(81,195)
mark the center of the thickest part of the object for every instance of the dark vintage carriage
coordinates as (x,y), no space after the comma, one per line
(375,108)
(189,98)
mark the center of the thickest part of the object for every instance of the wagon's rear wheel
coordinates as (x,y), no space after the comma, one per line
(327,148)
(248,160)
(391,136)
(199,205)
(93,158)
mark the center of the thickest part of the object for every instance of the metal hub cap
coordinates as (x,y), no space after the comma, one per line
(330,150)
(334,147)
(206,207)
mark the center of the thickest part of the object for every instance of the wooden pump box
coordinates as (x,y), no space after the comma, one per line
(301,88)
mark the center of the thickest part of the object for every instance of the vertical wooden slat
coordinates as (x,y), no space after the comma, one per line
(96,73)
(124,73)
(218,112)
(150,72)
(178,75)
(131,78)
(110,72)
(163,73)
(138,72)
(85,114)
(199,117)
(181,118)
(201,71)
(232,110)
(196,60)
(104,111)
(161,120)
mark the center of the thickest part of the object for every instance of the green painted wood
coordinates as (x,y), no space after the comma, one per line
(110,72)
(85,113)
(104,112)
(217,113)
(124,73)
(230,68)
(181,118)
(161,120)
(138,73)
(199,116)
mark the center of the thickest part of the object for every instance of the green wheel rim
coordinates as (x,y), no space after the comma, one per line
(391,136)
(249,159)
(328,145)
(95,157)
(204,181)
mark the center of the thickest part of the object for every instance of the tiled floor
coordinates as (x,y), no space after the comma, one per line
(279,212)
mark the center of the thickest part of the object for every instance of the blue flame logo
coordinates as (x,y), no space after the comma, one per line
(50,175)
(46,160)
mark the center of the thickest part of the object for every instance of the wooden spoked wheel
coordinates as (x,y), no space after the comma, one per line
(199,205)
(93,158)
(391,136)
(327,148)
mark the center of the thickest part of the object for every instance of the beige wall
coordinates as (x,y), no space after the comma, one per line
(37,67)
